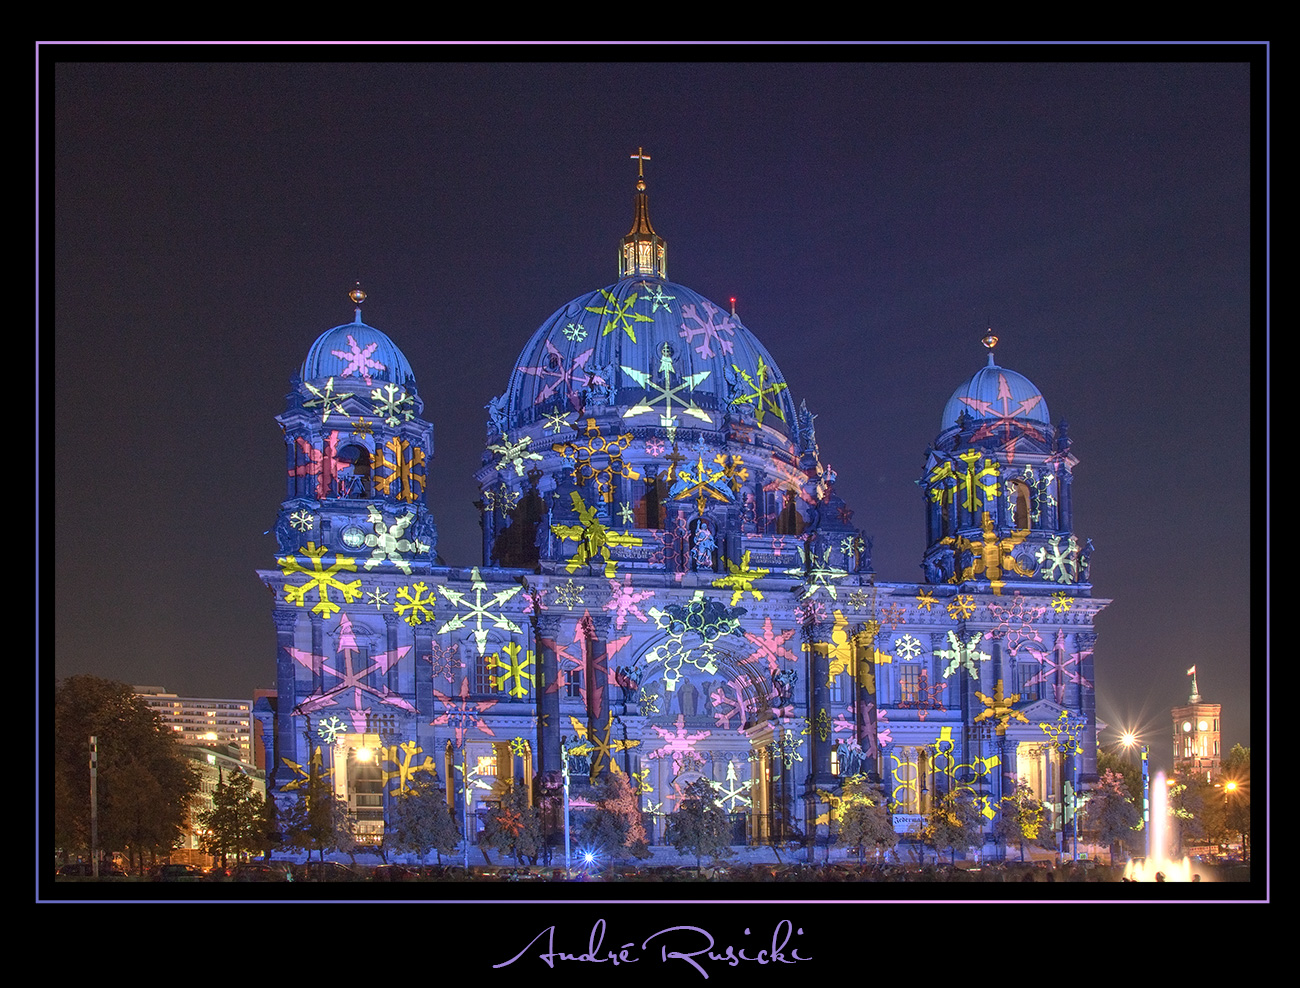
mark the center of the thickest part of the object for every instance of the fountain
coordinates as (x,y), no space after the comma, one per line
(1158,860)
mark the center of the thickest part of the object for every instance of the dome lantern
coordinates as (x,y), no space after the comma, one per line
(643,252)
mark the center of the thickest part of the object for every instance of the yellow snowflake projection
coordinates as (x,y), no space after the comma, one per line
(593,538)
(319,579)
(405,480)
(991,555)
(302,775)
(761,396)
(978,483)
(478,610)
(599,747)
(741,579)
(1001,708)
(598,458)
(514,676)
(418,606)
(961,607)
(703,482)
(1061,602)
(925,600)
(402,757)
(620,314)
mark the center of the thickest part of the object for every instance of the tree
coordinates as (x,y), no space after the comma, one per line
(419,822)
(1109,813)
(615,826)
(1022,819)
(144,783)
(512,826)
(863,820)
(239,822)
(954,821)
(1123,767)
(1234,778)
(315,819)
(699,826)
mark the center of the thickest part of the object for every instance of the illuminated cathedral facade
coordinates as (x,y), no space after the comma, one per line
(671,588)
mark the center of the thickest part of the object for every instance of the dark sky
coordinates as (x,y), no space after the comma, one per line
(872,221)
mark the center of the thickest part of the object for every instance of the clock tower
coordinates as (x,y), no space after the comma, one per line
(1196,734)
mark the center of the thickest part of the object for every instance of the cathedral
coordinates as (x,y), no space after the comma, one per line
(671,588)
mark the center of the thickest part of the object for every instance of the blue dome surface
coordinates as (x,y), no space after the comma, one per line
(609,337)
(996,394)
(357,352)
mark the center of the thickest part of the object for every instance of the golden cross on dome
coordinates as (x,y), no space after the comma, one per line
(642,158)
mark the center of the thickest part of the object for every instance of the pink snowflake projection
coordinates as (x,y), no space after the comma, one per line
(319,579)
(604,673)
(358,361)
(1015,623)
(655,447)
(867,726)
(770,647)
(566,661)
(810,611)
(1010,422)
(404,476)
(1056,668)
(624,600)
(677,744)
(534,600)
(323,463)
(892,615)
(567,379)
(352,685)
(729,702)
(445,660)
(709,327)
(463,715)
(922,697)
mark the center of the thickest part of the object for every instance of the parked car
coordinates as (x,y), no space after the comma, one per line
(83,869)
(176,873)
(326,871)
(257,871)
(393,873)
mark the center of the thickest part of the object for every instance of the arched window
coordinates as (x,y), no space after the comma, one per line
(1018,502)
(353,471)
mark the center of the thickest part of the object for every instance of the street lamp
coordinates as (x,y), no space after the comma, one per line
(1128,740)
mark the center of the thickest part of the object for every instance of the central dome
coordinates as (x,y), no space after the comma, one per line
(632,341)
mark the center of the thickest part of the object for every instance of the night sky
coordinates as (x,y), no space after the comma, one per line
(872,221)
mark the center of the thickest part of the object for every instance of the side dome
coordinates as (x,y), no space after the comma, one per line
(359,352)
(648,341)
(996,395)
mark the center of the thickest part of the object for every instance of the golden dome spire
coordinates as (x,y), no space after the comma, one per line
(643,252)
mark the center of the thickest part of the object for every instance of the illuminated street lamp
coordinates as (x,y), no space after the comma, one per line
(1128,740)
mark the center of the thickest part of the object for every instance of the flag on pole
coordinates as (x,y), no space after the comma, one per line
(1191,671)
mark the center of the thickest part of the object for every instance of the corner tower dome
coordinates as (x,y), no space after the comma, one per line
(996,395)
(357,352)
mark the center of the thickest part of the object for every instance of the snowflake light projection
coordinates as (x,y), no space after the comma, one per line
(360,427)
(303,774)
(732,792)
(389,541)
(999,707)
(925,600)
(655,447)
(323,463)
(418,606)
(500,498)
(892,615)
(664,397)
(810,612)
(303,521)
(1064,733)
(961,607)
(514,677)
(728,701)
(358,361)
(331,730)
(567,379)
(977,483)
(655,295)
(463,715)
(352,686)
(445,660)
(818,574)
(402,757)
(624,600)
(1056,668)
(620,314)
(569,594)
(327,401)
(574,333)
(478,611)
(1015,623)
(908,647)
(1010,422)
(678,744)
(393,405)
(593,538)
(600,748)
(963,655)
(1040,488)
(520,747)
(404,479)
(699,618)
(1061,602)
(513,454)
(770,647)
(761,395)
(319,579)
(922,697)
(740,579)
(703,482)
(1059,563)
(673,542)
(557,422)
(626,514)
(377,597)
(598,458)
(709,328)
(989,555)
